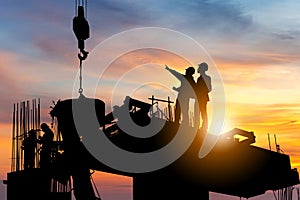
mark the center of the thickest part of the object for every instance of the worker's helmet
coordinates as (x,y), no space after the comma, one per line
(202,67)
(32,133)
(190,70)
(44,126)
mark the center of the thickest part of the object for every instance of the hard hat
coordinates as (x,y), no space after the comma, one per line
(190,70)
(203,66)
(44,126)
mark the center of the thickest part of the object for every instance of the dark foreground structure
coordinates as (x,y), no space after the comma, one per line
(233,167)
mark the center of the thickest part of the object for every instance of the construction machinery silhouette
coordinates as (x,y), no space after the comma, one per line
(233,167)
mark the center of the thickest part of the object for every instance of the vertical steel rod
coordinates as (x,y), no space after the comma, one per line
(28,116)
(13,140)
(17,135)
(39,112)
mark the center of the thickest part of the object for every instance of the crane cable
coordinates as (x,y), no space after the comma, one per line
(81,3)
(80,91)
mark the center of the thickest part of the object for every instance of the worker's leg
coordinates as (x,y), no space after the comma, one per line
(196,114)
(177,111)
(203,111)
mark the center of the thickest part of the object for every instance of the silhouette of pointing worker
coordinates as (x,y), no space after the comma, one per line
(185,91)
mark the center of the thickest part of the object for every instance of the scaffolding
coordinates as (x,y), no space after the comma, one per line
(26,118)
(26,176)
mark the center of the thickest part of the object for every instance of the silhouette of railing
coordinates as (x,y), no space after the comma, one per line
(164,113)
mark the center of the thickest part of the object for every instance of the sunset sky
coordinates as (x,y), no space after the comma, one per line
(253,46)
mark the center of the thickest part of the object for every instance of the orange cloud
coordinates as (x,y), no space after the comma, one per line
(112,186)
(263,118)
(5,149)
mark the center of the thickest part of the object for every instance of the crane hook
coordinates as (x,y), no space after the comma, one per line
(83,54)
(82,31)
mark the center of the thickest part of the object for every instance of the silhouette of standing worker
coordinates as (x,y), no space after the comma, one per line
(46,141)
(203,87)
(185,91)
(29,146)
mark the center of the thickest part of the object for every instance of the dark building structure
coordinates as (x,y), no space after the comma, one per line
(233,167)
